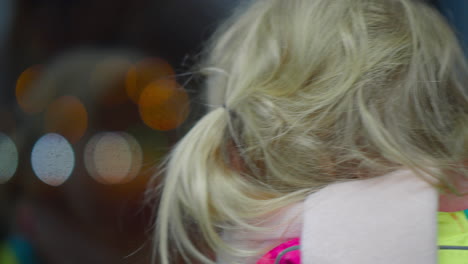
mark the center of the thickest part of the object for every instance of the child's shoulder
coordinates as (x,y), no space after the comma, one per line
(350,219)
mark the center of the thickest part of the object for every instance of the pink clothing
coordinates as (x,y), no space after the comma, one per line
(383,220)
(286,253)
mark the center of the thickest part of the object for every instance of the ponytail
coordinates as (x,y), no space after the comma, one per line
(190,172)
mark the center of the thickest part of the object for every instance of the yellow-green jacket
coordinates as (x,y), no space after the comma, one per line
(453,237)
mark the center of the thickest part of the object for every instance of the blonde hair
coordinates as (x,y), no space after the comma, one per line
(316,92)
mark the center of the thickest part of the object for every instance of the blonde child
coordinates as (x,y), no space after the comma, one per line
(335,124)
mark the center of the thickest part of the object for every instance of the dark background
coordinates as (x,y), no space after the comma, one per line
(83,220)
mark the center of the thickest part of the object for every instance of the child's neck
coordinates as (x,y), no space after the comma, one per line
(452,202)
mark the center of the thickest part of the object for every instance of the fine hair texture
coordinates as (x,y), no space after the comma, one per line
(315,92)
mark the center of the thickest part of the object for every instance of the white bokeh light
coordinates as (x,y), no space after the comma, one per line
(8,158)
(113,157)
(53,159)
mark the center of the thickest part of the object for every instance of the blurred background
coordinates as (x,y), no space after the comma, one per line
(93,93)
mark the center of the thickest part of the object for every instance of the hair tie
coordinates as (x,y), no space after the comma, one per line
(229,111)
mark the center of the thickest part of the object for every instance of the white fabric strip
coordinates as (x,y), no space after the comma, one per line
(385,220)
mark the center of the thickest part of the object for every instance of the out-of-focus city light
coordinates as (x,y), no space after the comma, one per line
(164,105)
(68,117)
(144,73)
(8,158)
(53,159)
(113,157)
(29,98)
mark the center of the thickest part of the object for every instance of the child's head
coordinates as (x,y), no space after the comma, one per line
(315,92)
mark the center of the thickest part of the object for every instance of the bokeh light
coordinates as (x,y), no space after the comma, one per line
(29,98)
(144,73)
(113,157)
(164,105)
(66,116)
(53,159)
(8,158)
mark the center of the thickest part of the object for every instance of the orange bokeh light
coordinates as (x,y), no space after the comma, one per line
(144,73)
(164,105)
(68,117)
(27,95)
